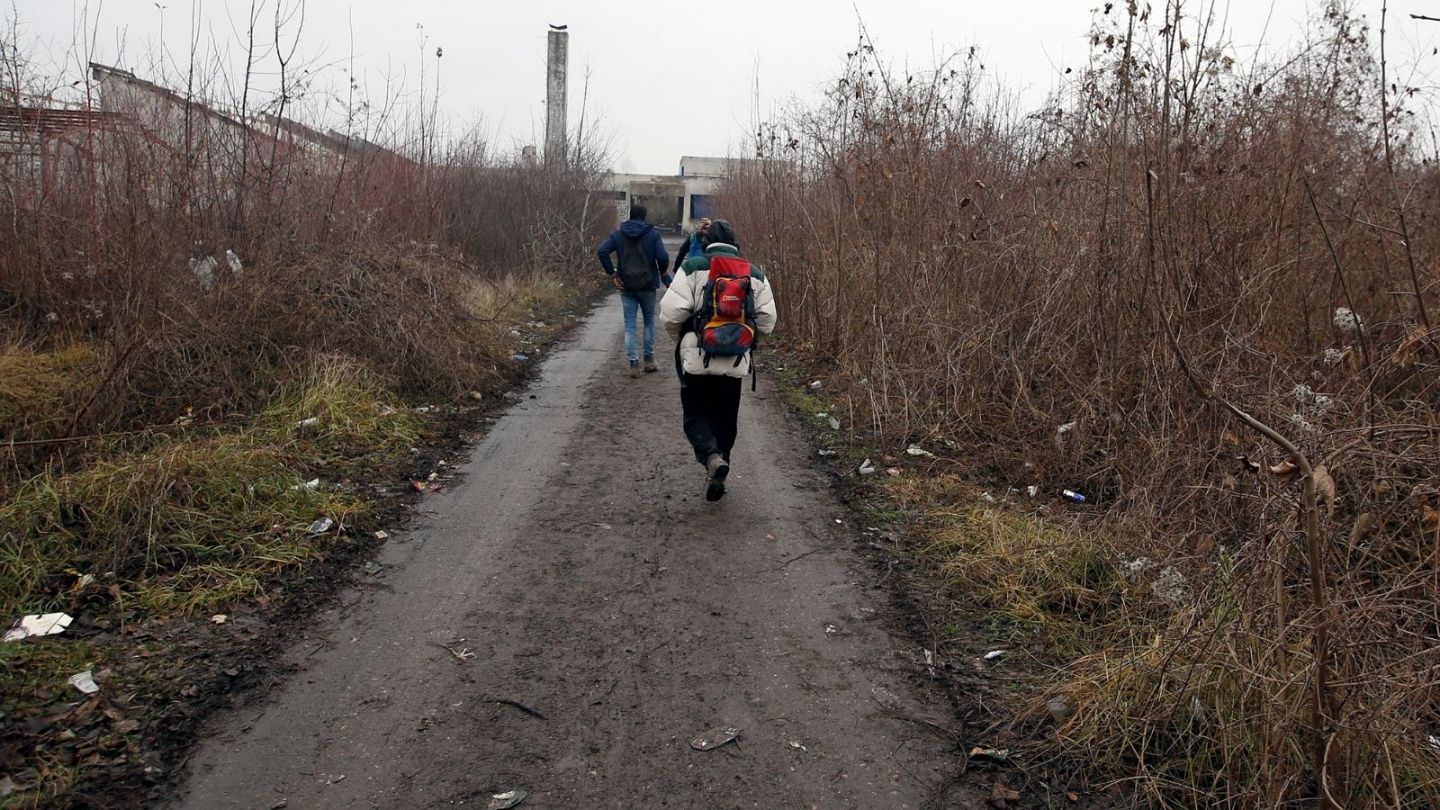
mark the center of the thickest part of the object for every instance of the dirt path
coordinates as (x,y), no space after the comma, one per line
(581,565)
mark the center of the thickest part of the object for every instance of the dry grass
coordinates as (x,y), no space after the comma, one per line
(39,391)
(1068,298)
(198,318)
(201,519)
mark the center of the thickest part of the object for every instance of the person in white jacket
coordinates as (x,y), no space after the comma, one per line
(710,386)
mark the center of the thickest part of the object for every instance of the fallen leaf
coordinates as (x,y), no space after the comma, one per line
(1001,795)
(1286,467)
(1365,526)
(1324,487)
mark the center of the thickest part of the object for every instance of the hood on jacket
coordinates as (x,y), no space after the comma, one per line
(720,233)
(632,228)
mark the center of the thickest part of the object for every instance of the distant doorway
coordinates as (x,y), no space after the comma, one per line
(702,206)
(662,211)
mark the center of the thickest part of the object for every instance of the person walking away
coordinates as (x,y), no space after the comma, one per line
(716,307)
(694,244)
(639,270)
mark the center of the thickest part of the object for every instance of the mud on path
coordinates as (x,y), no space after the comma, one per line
(577,571)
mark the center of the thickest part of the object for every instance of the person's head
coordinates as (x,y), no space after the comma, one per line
(638,212)
(720,233)
(702,225)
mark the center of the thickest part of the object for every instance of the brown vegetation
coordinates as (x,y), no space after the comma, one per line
(186,262)
(213,326)
(1201,293)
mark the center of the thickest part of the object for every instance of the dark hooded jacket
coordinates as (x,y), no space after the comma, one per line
(655,253)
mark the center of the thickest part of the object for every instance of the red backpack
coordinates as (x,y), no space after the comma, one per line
(725,317)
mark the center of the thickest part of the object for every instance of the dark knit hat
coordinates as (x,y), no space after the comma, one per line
(721,232)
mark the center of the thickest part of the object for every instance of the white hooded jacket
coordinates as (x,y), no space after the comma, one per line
(683,297)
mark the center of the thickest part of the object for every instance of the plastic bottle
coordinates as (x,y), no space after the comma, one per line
(1073,496)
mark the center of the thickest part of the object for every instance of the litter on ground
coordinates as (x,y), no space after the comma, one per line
(506,800)
(39,624)
(714,738)
(992,754)
(85,682)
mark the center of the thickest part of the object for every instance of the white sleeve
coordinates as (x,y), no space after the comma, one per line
(765,314)
(678,304)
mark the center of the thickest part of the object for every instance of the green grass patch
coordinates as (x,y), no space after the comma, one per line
(1024,571)
(195,522)
(187,506)
(804,403)
(342,410)
(34,671)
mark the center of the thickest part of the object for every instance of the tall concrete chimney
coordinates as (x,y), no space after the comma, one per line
(557,68)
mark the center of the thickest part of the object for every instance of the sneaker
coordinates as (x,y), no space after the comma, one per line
(650,365)
(716,469)
(634,369)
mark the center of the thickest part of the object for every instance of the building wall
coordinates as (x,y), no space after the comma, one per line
(661,193)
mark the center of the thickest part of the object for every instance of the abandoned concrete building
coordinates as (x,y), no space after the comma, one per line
(673,202)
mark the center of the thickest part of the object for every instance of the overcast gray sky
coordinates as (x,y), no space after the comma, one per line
(667,78)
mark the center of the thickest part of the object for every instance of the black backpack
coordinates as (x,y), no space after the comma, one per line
(636,274)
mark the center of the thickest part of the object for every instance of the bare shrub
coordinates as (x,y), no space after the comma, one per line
(1074,296)
(205,253)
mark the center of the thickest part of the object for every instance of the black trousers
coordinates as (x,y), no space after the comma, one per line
(712,406)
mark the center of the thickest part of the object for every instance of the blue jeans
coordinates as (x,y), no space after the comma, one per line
(645,302)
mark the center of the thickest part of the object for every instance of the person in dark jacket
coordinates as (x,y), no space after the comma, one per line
(636,231)
(694,244)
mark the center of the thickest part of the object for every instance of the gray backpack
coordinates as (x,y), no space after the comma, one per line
(636,274)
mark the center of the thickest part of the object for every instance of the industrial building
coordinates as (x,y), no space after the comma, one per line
(673,201)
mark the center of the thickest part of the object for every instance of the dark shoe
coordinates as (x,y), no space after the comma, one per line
(634,370)
(650,365)
(716,469)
